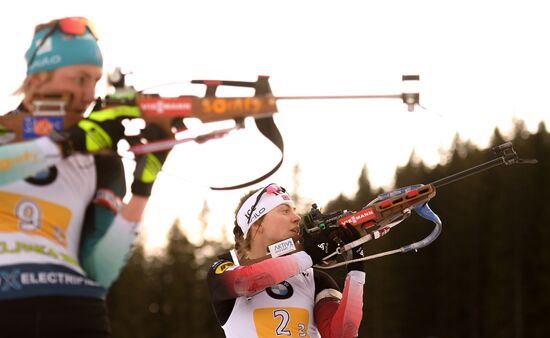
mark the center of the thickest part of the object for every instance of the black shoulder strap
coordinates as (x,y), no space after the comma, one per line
(268,128)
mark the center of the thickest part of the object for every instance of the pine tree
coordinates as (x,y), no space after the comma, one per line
(488,273)
(131,303)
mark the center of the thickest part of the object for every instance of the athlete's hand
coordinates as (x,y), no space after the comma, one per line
(149,165)
(348,234)
(101,130)
(318,245)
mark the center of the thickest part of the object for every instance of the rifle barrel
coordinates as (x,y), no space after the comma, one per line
(331,97)
(468,172)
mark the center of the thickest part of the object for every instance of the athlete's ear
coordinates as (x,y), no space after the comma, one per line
(37,79)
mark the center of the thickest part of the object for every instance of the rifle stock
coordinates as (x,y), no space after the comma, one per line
(169,112)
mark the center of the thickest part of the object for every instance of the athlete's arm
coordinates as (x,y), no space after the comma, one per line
(110,227)
(228,281)
(336,314)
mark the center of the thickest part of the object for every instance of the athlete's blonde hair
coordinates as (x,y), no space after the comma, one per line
(26,87)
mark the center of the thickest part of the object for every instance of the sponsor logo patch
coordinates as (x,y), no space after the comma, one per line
(34,126)
(280,291)
(282,248)
(222,267)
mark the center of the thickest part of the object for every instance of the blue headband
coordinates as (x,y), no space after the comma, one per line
(60,50)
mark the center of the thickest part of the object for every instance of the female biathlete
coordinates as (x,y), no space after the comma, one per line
(282,296)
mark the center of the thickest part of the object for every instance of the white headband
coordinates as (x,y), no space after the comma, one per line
(271,197)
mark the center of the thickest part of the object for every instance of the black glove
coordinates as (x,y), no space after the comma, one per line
(101,130)
(318,245)
(348,234)
(149,165)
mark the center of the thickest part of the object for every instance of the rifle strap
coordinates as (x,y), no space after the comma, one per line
(267,126)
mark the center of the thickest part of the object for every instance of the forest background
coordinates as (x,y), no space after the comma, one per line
(487,275)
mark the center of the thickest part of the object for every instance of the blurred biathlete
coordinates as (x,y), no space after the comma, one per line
(65,233)
(282,296)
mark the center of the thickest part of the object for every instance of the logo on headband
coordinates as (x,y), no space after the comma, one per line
(253,216)
(260,203)
(46,47)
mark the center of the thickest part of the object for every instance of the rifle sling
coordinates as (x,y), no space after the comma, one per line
(267,126)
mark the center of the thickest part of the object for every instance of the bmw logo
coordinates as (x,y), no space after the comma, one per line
(280,291)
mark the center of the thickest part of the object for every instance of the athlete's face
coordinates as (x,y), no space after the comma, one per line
(280,223)
(78,80)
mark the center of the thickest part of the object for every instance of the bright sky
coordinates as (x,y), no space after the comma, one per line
(482,64)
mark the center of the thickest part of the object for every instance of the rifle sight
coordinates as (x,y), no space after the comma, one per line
(315,220)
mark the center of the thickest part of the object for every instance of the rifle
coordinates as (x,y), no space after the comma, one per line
(170,113)
(381,214)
